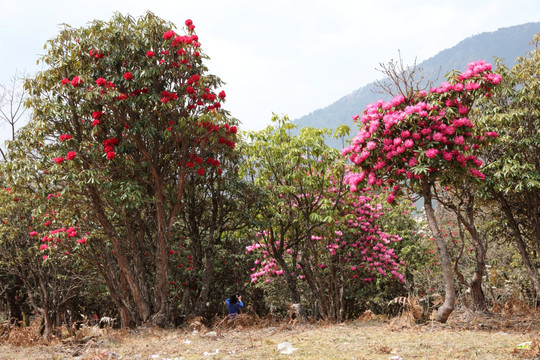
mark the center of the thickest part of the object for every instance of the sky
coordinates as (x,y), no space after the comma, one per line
(277,56)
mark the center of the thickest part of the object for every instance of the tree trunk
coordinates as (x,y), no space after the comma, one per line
(520,243)
(47,332)
(449,289)
(314,286)
(141,301)
(477,294)
(162,316)
(292,284)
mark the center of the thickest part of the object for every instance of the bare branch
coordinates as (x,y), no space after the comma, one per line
(12,97)
(401,79)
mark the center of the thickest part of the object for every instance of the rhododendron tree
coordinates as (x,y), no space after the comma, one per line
(310,221)
(425,138)
(337,259)
(513,166)
(127,111)
(294,173)
(49,285)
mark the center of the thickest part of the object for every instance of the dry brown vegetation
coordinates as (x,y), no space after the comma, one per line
(465,336)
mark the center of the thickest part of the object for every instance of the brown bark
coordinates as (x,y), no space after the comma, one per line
(519,242)
(447,307)
(292,285)
(477,294)
(141,302)
(315,288)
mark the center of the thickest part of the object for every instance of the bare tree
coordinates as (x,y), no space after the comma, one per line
(402,79)
(12,106)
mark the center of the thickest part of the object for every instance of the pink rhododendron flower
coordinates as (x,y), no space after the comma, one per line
(33,233)
(459,140)
(431,153)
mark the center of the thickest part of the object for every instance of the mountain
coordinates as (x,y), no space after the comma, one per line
(505,43)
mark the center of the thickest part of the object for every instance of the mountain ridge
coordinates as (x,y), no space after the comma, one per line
(507,43)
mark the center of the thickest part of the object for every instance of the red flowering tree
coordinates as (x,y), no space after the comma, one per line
(127,111)
(423,139)
(48,286)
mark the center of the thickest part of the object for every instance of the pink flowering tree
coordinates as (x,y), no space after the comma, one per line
(338,259)
(311,228)
(421,140)
(127,111)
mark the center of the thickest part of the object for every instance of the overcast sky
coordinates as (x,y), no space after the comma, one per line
(283,56)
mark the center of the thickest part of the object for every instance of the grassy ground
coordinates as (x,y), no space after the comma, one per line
(479,339)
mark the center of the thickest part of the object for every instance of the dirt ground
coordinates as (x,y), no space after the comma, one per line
(465,336)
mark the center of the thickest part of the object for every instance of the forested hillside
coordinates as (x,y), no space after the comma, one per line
(505,43)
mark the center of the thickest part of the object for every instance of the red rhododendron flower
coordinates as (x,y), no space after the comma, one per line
(71,155)
(189,164)
(33,233)
(189,22)
(81,241)
(222,94)
(128,76)
(101,82)
(58,160)
(169,35)
(149,53)
(97,114)
(111,155)
(65,81)
(200,171)
(96,123)
(76,81)
(65,137)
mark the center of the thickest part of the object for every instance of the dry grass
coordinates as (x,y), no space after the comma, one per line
(370,337)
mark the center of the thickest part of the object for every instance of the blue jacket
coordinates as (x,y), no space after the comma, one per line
(234,309)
